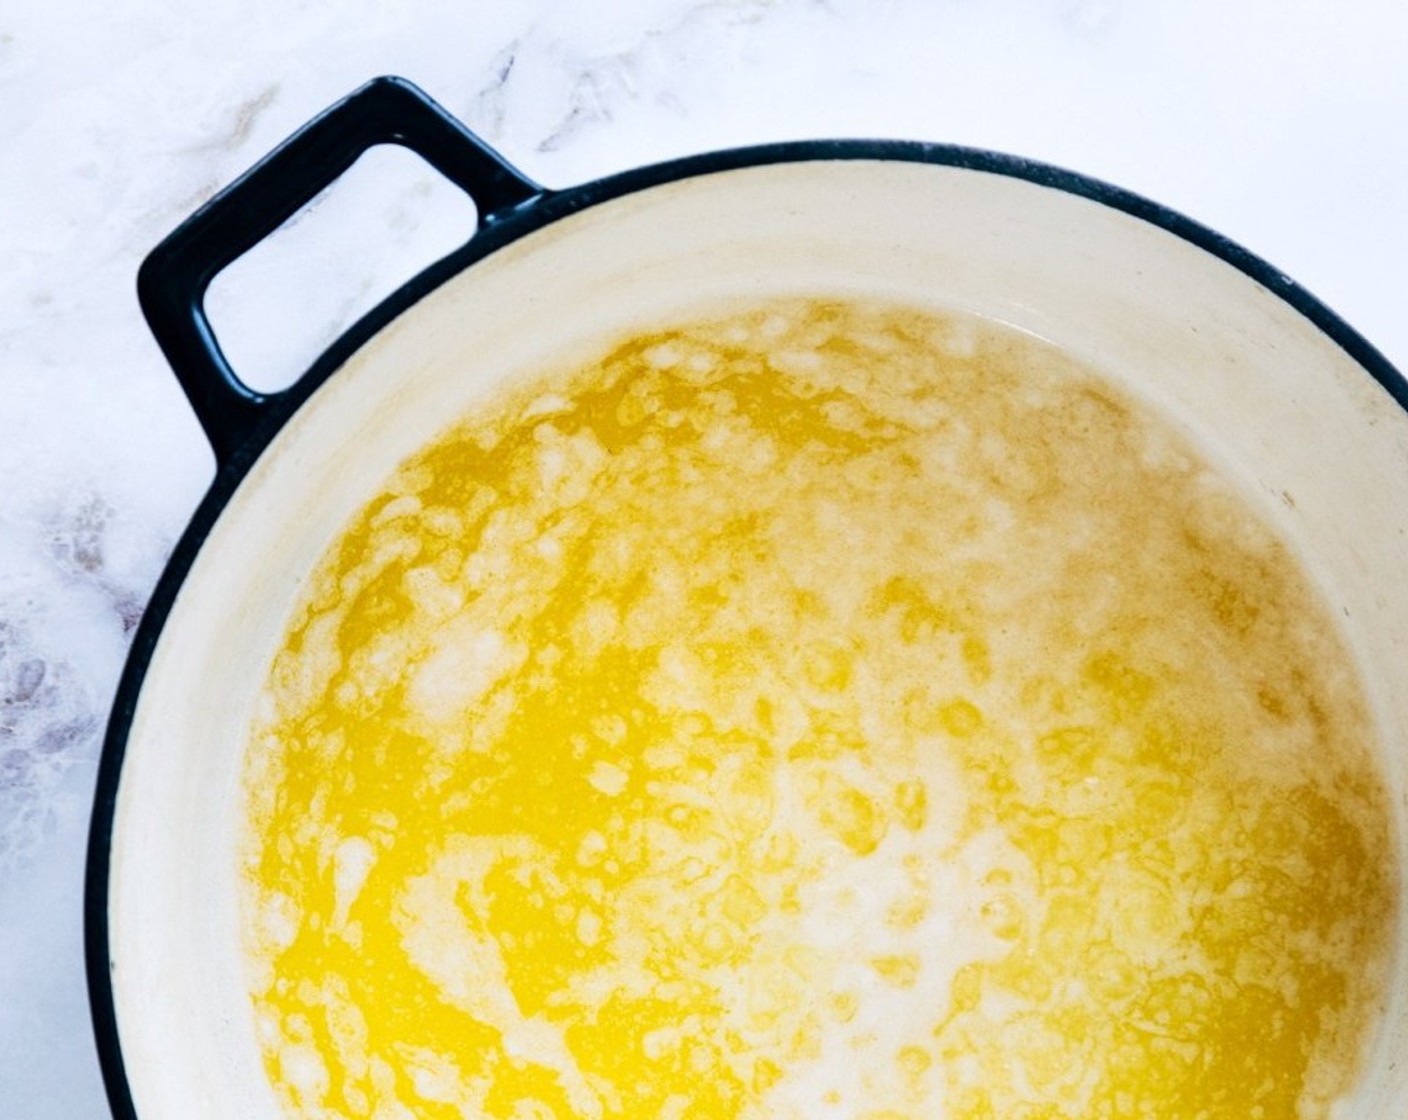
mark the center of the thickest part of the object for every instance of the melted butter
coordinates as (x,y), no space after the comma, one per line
(831,711)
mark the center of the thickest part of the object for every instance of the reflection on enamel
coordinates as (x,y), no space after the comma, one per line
(829,711)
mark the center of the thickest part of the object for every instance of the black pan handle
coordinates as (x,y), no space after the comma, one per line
(173,280)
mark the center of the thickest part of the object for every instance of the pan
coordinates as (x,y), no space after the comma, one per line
(918,297)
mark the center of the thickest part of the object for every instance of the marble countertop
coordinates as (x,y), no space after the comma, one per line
(1281,123)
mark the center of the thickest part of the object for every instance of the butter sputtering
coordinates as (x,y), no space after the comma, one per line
(831,710)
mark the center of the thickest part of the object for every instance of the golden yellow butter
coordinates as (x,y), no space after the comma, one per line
(828,710)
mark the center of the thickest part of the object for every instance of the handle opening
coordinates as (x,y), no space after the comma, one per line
(277,307)
(173,280)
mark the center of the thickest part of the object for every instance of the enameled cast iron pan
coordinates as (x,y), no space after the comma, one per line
(1280,390)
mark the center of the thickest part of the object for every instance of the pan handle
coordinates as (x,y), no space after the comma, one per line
(173,280)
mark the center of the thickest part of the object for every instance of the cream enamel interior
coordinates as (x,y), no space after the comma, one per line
(1319,446)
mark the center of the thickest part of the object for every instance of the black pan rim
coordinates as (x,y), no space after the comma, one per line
(549,207)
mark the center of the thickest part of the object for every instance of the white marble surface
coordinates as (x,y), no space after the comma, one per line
(1281,123)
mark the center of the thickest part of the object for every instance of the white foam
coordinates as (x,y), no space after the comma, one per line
(607,777)
(450,945)
(352,861)
(879,941)
(466,661)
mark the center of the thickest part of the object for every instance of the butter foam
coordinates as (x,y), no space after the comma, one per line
(830,710)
